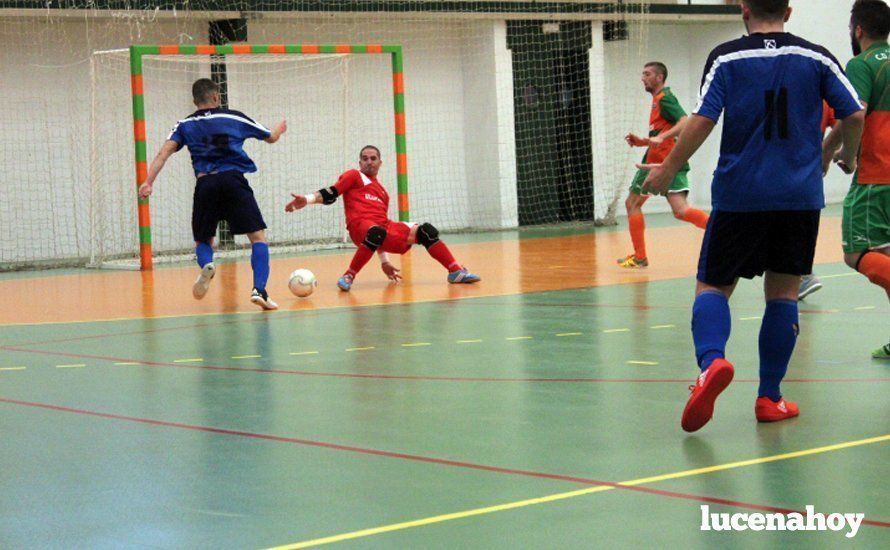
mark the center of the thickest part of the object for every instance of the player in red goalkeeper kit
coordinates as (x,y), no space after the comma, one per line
(366,203)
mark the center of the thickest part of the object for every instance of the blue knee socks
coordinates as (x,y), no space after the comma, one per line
(204,252)
(711,325)
(259,261)
(778,334)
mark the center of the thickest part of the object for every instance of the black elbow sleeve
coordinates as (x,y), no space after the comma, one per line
(329,195)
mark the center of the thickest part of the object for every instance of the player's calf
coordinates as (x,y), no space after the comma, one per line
(876,266)
(373,240)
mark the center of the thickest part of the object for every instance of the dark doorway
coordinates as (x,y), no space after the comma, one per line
(551,84)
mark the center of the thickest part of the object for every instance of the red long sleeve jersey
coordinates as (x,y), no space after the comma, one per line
(364,198)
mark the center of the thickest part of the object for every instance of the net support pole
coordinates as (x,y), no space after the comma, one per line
(145,259)
(398,92)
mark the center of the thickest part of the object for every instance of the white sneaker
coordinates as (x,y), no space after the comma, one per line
(202,284)
(262,299)
(808,285)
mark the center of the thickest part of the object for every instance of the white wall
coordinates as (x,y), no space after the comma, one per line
(825,22)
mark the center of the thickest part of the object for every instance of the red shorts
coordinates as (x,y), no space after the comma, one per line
(397,234)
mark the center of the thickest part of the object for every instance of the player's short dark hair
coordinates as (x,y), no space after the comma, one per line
(873,16)
(202,88)
(660,68)
(767,9)
(369,147)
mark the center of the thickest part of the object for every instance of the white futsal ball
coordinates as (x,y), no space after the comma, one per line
(302,282)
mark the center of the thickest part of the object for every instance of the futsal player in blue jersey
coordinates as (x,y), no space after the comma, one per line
(214,137)
(766,192)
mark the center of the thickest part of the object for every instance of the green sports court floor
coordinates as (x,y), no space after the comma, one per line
(547,419)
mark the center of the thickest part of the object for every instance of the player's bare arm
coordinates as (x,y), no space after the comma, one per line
(277,131)
(830,146)
(636,141)
(697,130)
(157,165)
(851,132)
(390,270)
(655,141)
(325,196)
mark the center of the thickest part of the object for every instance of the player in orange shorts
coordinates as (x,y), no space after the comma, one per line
(367,203)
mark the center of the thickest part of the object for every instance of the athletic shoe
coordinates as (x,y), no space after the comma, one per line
(767,410)
(700,407)
(882,352)
(261,298)
(463,276)
(808,285)
(202,283)
(632,262)
(345,282)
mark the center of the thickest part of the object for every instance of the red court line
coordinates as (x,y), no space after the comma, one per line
(417,377)
(411,457)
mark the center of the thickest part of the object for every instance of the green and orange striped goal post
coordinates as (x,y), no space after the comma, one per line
(137,52)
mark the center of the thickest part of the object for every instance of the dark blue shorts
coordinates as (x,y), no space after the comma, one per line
(224,196)
(747,244)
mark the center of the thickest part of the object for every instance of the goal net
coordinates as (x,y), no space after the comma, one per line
(334,105)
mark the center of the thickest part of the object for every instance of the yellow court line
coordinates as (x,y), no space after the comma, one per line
(656,327)
(128,363)
(838,275)
(610,330)
(13,368)
(303,353)
(650,363)
(416,344)
(580,492)
(512,338)
(469,341)
(361,349)
(76,366)
(246,356)
(863,308)
(569,334)
(193,360)
(750,318)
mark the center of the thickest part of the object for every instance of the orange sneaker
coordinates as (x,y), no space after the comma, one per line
(709,385)
(767,410)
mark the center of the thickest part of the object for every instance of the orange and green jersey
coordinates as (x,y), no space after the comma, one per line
(666,112)
(869,72)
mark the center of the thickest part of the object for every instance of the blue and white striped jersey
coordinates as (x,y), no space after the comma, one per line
(771,87)
(215,138)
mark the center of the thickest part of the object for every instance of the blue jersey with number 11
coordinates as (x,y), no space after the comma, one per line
(771,87)
(215,138)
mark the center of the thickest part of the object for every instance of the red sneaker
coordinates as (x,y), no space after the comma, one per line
(767,410)
(710,383)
